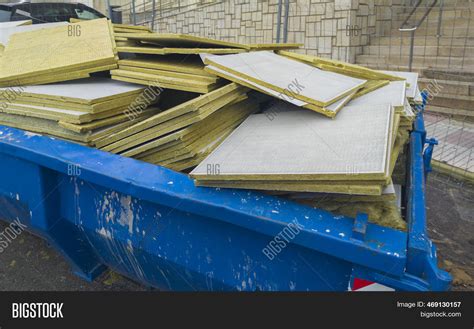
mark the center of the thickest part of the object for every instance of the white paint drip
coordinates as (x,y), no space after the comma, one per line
(126,213)
(104,233)
(30,134)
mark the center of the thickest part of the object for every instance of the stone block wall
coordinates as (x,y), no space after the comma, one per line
(335,29)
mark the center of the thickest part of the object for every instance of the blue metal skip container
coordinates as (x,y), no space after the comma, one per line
(153,225)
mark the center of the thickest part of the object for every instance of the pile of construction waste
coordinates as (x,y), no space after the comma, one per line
(321,132)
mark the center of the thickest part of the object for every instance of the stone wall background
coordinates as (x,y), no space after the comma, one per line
(329,28)
(336,29)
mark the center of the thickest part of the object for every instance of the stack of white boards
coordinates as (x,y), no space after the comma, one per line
(296,82)
(82,111)
(300,151)
(344,165)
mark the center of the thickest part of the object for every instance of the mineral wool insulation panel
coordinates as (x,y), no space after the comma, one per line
(178,63)
(393,93)
(7,32)
(49,51)
(334,107)
(299,144)
(181,40)
(280,73)
(411,78)
(256,86)
(90,90)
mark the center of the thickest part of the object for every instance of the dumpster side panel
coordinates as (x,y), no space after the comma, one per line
(175,250)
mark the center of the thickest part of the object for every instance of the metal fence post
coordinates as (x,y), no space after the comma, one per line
(440,17)
(153,15)
(412,47)
(134,18)
(279,21)
(285,24)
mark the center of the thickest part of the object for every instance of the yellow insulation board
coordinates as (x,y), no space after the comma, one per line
(345,68)
(173,63)
(182,40)
(50,51)
(166,51)
(193,132)
(183,108)
(170,125)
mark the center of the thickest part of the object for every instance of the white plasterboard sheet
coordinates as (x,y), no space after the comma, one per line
(288,74)
(7,32)
(86,89)
(300,142)
(410,77)
(393,93)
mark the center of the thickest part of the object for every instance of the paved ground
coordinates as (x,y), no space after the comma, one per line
(450,211)
(29,264)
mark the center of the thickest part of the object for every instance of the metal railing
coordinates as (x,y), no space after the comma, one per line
(412,29)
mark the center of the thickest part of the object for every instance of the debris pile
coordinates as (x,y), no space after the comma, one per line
(322,132)
(178,72)
(59,109)
(167,138)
